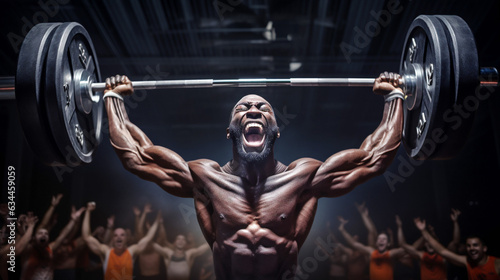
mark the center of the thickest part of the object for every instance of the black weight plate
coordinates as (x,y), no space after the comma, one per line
(30,93)
(77,134)
(432,54)
(465,82)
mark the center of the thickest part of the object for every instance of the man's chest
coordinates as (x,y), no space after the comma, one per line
(273,204)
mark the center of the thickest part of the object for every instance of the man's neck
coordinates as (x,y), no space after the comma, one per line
(480,262)
(120,251)
(254,173)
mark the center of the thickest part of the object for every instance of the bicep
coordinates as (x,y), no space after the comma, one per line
(362,248)
(163,251)
(95,246)
(343,171)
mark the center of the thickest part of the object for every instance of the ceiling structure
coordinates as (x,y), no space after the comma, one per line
(187,39)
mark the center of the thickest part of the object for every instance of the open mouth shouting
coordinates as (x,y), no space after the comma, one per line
(119,243)
(253,137)
(474,254)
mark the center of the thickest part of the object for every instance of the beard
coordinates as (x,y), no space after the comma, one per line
(236,134)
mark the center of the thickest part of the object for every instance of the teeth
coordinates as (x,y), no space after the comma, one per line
(254,125)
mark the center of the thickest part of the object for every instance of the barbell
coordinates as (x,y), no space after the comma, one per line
(59,94)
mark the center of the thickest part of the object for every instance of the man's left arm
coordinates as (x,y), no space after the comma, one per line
(75,216)
(198,251)
(148,238)
(343,171)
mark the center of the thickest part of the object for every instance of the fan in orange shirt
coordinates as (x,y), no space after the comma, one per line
(480,266)
(381,257)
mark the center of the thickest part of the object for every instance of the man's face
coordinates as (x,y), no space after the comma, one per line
(475,249)
(119,238)
(180,242)
(253,128)
(42,237)
(382,242)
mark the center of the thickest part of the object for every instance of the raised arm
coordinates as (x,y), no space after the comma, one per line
(23,242)
(347,169)
(345,250)
(440,249)
(191,254)
(136,151)
(74,230)
(369,224)
(75,217)
(148,238)
(94,245)
(110,227)
(412,251)
(455,242)
(47,217)
(161,237)
(164,251)
(139,226)
(350,240)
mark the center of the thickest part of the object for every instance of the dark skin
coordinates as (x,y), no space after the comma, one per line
(255,214)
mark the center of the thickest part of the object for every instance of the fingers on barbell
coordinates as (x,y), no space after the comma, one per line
(108,83)
(392,78)
(124,79)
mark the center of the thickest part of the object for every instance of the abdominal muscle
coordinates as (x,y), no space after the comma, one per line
(254,253)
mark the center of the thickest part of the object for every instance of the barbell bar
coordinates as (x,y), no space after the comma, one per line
(59,93)
(488,76)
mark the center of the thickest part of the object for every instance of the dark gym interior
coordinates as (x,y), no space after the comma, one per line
(202,39)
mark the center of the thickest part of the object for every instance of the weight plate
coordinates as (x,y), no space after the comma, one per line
(77,132)
(426,46)
(30,93)
(465,71)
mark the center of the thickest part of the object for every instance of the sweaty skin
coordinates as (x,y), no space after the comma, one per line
(255,212)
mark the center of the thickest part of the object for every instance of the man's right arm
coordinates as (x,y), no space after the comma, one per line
(94,245)
(369,224)
(350,240)
(455,242)
(440,249)
(402,241)
(136,151)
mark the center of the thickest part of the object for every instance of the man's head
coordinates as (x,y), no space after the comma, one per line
(180,242)
(382,242)
(119,240)
(42,237)
(476,249)
(253,128)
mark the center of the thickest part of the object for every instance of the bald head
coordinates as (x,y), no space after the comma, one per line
(253,129)
(254,98)
(119,238)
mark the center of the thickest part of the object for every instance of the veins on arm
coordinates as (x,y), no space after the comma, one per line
(140,156)
(345,170)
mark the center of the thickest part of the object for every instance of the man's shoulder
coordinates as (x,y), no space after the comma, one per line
(304,163)
(204,164)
